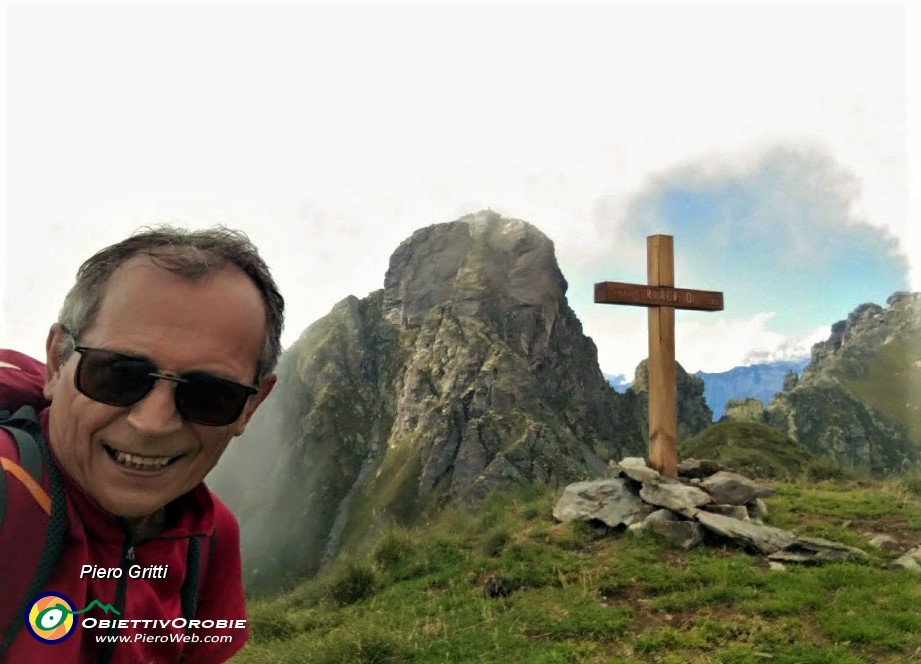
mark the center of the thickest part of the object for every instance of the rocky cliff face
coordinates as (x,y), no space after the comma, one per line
(859,399)
(468,372)
(694,415)
(499,383)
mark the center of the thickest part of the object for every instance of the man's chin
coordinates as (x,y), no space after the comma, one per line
(130,509)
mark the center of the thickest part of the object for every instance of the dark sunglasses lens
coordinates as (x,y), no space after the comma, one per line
(113,379)
(207,399)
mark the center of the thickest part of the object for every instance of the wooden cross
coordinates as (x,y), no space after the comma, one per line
(662,298)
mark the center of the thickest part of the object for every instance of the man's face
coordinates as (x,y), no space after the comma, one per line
(215,324)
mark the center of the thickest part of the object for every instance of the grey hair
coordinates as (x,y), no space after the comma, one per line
(191,254)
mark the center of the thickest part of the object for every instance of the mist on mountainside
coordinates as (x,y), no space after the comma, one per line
(468,373)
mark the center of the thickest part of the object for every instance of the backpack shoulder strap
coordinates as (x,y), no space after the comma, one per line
(29,469)
(34,458)
(197,558)
(29,455)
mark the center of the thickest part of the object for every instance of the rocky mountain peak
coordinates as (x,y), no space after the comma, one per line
(502,271)
(694,415)
(865,329)
(467,373)
(859,399)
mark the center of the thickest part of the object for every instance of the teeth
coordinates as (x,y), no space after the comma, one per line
(140,462)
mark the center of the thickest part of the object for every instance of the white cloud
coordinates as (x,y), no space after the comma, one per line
(726,343)
(700,345)
(789,348)
(329,133)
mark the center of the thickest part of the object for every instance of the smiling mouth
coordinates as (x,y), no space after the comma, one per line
(138,462)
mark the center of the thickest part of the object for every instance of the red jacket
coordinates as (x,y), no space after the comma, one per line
(97,538)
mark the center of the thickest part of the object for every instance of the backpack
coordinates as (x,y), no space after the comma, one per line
(33,458)
(38,473)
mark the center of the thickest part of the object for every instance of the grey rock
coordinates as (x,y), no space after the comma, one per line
(689,513)
(911,560)
(610,501)
(637,528)
(698,468)
(777,567)
(661,515)
(906,562)
(816,550)
(915,554)
(679,532)
(641,474)
(686,511)
(654,517)
(673,495)
(684,534)
(730,488)
(884,543)
(780,545)
(633,462)
(735,511)
(758,509)
(764,539)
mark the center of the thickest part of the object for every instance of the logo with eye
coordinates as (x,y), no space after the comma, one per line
(51,618)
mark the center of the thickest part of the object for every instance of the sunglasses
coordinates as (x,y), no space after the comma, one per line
(122,380)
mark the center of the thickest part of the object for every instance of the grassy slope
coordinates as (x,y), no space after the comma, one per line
(890,382)
(751,448)
(569,596)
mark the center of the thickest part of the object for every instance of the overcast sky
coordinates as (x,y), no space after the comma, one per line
(773,143)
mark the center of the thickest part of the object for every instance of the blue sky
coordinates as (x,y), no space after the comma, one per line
(777,232)
(778,236)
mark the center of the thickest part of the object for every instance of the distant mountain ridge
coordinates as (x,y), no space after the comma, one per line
(857,401)
(759,381)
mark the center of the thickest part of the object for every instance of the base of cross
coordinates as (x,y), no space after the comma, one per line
(663,453)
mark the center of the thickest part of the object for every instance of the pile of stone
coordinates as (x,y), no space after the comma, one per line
(705,499)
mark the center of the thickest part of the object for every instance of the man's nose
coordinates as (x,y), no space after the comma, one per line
(155,414)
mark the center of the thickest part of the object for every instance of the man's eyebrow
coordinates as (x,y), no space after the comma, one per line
(139,356)
(214,374)
(125,353)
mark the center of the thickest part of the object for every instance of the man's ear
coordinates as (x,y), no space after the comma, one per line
(265,386)
(54,366)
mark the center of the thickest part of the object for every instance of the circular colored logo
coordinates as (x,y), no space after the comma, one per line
(51,618)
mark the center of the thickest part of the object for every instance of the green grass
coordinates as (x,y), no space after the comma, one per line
(863,499)
(569,594)
(890,379)
(753,449)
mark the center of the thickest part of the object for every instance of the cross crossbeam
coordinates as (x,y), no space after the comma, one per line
(662,298)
